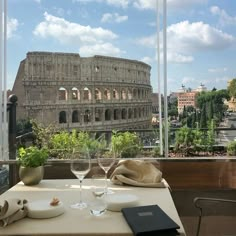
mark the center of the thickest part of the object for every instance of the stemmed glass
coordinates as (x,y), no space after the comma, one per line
(80,166)
(106,160)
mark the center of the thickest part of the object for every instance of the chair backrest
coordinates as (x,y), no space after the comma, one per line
(219,216)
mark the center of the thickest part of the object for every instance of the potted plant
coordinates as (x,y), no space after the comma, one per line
(126,144)
(31,161)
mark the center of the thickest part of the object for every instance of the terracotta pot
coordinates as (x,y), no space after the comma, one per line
(31,175)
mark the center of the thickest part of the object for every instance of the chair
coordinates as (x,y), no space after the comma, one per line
(214,207)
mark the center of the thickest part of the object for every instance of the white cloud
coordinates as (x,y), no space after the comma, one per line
(61,12)
(197,36)
(185,38)
(171,4)
(147,4)
(224,19)
(174,4)
(217,70)
(117,3)
(12,25)
(152,24)
(222,79)
(149,41)
(106,49)
(108,17)
(147,60)
(218,82)
(187,80)
(71,33)
(178,58)
(38,1)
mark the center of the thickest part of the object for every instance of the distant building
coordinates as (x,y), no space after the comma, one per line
(232,102)
(201,88)
(187,97)
(155,102)
(92,93)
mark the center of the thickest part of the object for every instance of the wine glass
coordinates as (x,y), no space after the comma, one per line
(80,166)
(106,160)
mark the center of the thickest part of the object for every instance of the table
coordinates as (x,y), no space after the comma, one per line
(80,222)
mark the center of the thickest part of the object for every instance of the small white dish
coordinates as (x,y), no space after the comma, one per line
(42,209)
(117,201)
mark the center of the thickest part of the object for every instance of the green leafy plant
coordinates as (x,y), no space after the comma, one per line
(32,156)
(156,151)
(231,148)
(211,136)
(187,141)
(125,144)
(42,134)
(93,144)
(61,145)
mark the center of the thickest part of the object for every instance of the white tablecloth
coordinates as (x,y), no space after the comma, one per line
(80,222)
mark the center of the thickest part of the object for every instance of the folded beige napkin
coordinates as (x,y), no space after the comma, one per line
(12,210)
(138,173)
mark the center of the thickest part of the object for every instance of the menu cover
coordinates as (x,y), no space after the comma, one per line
(149,220)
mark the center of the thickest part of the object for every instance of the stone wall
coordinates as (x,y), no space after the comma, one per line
(94,93)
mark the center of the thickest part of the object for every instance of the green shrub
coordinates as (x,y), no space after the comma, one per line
(125,144)
(231,148)
(156,151)
(61,145)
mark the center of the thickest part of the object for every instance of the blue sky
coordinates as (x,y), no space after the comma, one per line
(201,35)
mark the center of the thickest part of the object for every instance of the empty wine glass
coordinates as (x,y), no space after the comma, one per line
(80,166)
(106,160)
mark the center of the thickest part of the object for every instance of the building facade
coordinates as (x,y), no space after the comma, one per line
(155,103)
(93,93)
(232,102)
(187,97)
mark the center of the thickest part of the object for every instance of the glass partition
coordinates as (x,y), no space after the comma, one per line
(128,65)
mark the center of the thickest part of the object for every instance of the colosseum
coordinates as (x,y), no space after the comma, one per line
(92,93)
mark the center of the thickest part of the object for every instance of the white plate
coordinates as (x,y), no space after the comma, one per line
(43,209)
(117,201)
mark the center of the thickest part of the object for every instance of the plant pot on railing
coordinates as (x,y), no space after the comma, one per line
(31,161)
(31,175)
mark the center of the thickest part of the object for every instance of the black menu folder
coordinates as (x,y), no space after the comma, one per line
(150,220)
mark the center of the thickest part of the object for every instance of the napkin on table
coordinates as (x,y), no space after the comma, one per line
(12,210)
(138,173)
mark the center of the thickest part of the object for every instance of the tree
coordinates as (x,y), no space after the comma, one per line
(210,111)
(23,126)
(213,102)
(190,109)
(173,112)
(211,135)
(232,88)
(173,108)
(188,140)
(203,118)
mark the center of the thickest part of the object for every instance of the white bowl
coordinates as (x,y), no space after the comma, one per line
(117,201)
(43,209)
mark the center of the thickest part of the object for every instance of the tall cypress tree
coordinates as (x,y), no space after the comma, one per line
(210,110)
(203,118)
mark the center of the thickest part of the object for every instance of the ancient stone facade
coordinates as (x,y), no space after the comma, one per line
(93,93)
